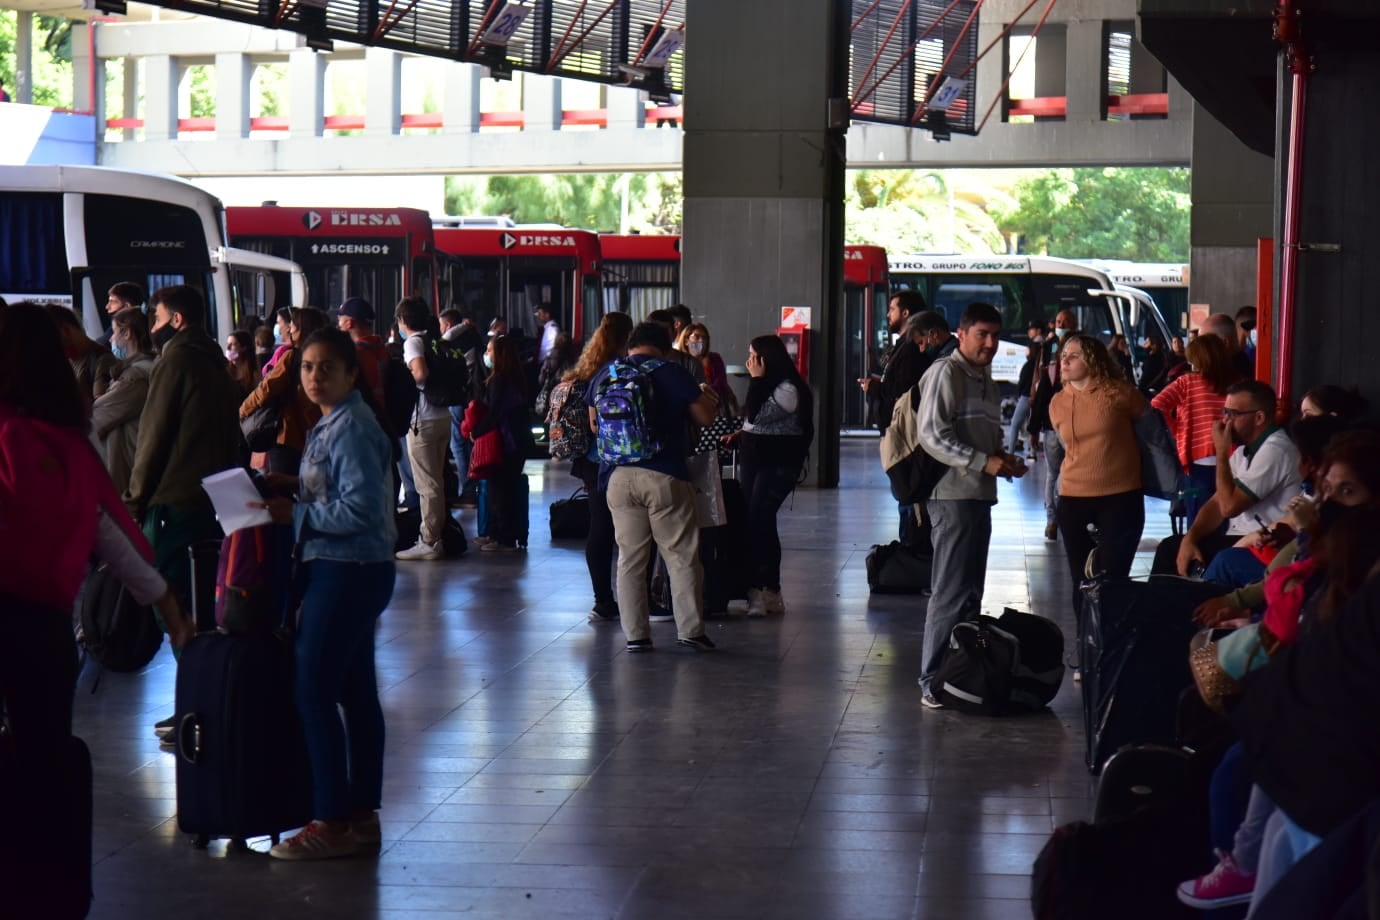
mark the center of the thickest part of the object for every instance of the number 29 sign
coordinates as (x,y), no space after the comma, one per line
(506,25)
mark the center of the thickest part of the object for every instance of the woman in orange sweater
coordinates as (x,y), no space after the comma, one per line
(1100,481)
(1191,405)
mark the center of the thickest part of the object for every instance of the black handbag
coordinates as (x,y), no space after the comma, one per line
(570,517)
(711,437)
(260,427)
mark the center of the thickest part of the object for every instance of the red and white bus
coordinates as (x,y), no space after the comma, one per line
(508,271)
(641,273)
(380,254)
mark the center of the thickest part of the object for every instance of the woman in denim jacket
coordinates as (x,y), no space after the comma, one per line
(343,523)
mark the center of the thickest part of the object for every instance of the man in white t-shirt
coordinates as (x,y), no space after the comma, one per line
(1257,476)
(546,316)
(427,436)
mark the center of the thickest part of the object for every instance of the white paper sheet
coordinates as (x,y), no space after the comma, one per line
(231,492)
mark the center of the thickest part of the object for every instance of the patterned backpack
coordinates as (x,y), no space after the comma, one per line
(624,406)
(567,420)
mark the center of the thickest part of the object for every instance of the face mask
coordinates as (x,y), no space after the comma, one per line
(488,361)
(1060,333)
(277,335)
(163,335)
(120,352)
(1251,338)
(231,355)
(696,348)
(1038,340)
(1332,512)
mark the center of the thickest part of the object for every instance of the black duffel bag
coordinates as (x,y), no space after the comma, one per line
(895,568)
(570,517)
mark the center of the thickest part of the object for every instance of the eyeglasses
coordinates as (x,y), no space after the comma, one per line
(1233,413)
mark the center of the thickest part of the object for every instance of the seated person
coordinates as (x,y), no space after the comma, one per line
(1257,477)
(1240,566)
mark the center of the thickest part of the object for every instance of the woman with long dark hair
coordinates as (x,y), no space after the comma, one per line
(282,384)
(609,341)
(58,508)
(778,426)
(343,524)
(240,362)
(1191,405)
(506,400)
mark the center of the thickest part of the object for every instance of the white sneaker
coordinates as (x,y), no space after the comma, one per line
(756,604)
(421,552)
(773,601)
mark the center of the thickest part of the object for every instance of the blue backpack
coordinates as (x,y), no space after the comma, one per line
(624,405)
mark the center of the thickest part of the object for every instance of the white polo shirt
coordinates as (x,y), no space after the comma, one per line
(1267,471)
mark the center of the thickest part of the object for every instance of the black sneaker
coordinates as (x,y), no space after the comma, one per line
(604,612)
(640,645)
(698,643)
(165,727)
(660,615)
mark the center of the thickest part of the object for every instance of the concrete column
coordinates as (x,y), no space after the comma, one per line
(88,71)
(233,73)
(1051,61)
(307,92)
(1233,206)
(541,102)
(383,105)
(625,107)
(460,107)
(24,57)
(1084,76)
(763,217)
(1147,73)
(162,75)
(1180,102)
(131,95)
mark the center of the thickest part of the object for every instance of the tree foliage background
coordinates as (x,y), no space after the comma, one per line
(590,200)
(52,58)
(1108,213)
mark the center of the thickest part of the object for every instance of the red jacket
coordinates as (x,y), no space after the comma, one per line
(53,488)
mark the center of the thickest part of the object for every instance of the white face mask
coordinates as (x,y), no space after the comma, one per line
(488,360)
(696,347)
(1251,338)
(1060,333)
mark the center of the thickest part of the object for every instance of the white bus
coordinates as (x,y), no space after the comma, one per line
(1166,283)
(68,233)
(1025,289)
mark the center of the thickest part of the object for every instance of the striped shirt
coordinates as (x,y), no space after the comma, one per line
(1191,406)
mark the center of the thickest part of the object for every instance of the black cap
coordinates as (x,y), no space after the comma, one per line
(357,308)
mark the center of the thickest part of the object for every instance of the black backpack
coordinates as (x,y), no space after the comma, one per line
(399,396)
(447,373)
(118,633)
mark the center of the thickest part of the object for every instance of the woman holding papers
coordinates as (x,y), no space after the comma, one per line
(343,523)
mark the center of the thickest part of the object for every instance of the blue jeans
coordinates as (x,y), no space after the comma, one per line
(765,490)
(1227,797)
(1019,416)
(335,666)
(1236,567)
(961,535)
(1202,485)
(410,499)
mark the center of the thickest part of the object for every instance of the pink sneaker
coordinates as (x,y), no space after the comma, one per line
(1225,885)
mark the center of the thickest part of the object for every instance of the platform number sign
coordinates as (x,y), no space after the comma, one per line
(506,25)
(666,46)
(947,94)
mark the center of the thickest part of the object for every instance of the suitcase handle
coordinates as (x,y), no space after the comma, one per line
(189,752)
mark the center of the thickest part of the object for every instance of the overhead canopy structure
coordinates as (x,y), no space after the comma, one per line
(901,50)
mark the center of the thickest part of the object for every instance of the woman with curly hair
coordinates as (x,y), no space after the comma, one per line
(1100,481)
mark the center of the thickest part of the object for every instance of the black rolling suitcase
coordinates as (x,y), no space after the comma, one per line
(725,553)
(1139,776)
(242,767)
(204,557)
(1133,644)
(46,874)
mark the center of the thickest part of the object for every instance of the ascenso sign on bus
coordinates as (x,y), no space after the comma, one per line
(313,220)
(956,264)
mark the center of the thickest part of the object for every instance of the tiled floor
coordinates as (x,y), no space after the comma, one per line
(537,770)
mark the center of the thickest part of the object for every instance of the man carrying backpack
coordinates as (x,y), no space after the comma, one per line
(639,406)
(441,382)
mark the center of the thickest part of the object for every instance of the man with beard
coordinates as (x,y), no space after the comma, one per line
(1257,477)
(960,425)
(902,366)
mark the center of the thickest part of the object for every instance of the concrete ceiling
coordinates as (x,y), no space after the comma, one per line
(69,10)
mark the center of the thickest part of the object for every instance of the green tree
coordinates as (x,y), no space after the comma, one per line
(910,210)
(590,200)
(52,58)
(1141,214)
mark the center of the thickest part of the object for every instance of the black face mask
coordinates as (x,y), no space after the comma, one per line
(163,335)
(1332,512)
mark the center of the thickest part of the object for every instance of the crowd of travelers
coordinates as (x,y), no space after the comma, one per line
(351,433)
(1281,514)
